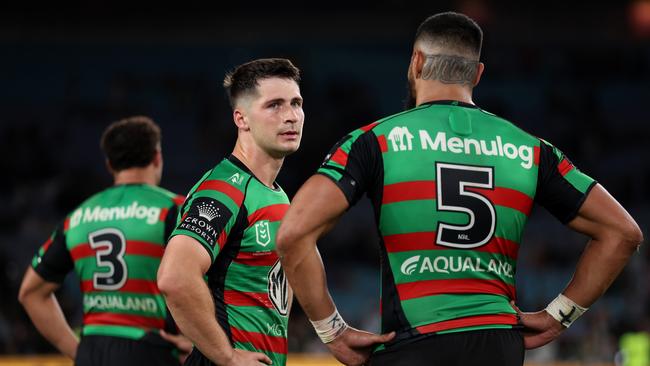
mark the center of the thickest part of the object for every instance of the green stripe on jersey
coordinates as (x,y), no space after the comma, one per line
(579,180)
(437,308)
(138,267)
(451,264)
(334,174)
(125,303)
(248,318)
(114,331)
(422,216)
(247,278)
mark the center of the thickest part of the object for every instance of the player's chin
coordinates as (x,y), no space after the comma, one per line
(289,147)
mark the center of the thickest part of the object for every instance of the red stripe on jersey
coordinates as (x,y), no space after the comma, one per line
(262,342)
(179,200)
(564,167)
(271,213)
(81,251)
(507,197)
(340,157)
(123,319)
(381,139)
(426,241)
(414,290)
(221,240)
(66,224)
(536,153)
(163,214)
(133,247)
(408,191)
(144,248)
(470,321)
(47,244)
(132,285)
(368,127)
(239,298)
(257,258)
(216,185)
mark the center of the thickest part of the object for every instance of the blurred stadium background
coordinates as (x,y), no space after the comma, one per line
(574,73)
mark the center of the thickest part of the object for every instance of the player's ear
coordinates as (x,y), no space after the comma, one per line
(417,62)
(157,158)
(479,72)
(109,167)
(239,116)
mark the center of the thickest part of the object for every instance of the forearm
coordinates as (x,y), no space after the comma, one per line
(48,318)
(598,267)
(193,310)
(304,270)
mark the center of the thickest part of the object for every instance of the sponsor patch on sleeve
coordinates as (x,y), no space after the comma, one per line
(207,218)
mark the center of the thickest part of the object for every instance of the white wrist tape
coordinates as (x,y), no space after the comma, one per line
(565,310)
(330,328)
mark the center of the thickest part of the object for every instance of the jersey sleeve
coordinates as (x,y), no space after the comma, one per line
(561,187)
(53,260)
(354,164)
(209,214)
(170,221)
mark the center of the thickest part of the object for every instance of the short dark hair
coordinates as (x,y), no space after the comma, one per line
(244,78)
(131,142)
(453,30)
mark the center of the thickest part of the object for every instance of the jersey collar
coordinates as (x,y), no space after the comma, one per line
(448,102)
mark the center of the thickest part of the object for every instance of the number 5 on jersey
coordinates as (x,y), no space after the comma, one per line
(452,196)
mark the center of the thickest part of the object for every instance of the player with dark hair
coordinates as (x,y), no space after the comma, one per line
(452,187)
(114,241)
(227,228)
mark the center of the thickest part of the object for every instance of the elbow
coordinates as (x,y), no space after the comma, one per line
(284,240)
(634,236)
(630,235)
(23,296)
(168,283)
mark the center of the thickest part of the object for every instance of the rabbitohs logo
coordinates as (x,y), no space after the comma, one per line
(278,289)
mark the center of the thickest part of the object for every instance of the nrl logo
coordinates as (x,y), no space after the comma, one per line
(262,233)
(208,211)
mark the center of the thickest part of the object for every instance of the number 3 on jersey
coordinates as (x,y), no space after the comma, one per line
(110,246)
(452,196)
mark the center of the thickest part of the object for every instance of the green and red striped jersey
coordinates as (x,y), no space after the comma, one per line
(452,187)
(114,242)
(234,217)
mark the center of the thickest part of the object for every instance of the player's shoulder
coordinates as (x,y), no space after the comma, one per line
(504,126)
(163,194)
(96,198)
(229,177)
(231,171)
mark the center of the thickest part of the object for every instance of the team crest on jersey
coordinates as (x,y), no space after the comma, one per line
(401,138)
(263,232)
(279,289)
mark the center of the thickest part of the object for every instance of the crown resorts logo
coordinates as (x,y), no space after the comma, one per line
(409,266)
(208,211)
